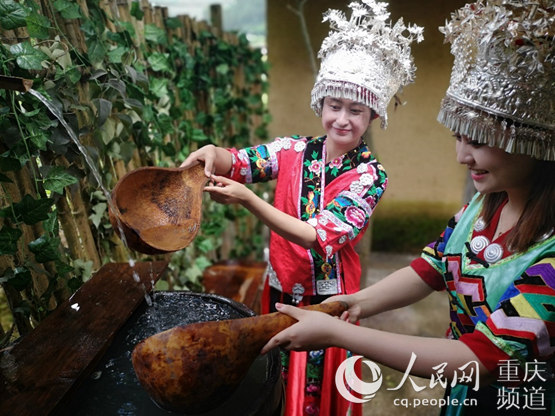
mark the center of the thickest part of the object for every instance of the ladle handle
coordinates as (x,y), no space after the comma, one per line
(259,329)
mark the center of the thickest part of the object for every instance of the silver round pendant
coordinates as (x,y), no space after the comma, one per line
(493,253)
(480,224)
(478,243)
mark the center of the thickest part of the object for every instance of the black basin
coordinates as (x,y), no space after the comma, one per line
(113,388)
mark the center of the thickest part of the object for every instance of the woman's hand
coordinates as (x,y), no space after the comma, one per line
(314,330)
(215,160)
(227,191)
(352,314)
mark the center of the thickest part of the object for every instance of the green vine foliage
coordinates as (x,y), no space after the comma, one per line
(131,103)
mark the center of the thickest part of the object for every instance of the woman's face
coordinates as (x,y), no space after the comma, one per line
(492,169)
(345,121)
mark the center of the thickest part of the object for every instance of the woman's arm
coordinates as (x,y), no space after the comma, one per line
(227,191)
(316,330)
(400,288)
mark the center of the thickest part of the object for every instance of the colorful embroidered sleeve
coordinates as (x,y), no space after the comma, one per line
(522,326)
(349,211)
(259,163)
(429,264)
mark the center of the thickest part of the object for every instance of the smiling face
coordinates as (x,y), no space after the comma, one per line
(494,170)
(345,121)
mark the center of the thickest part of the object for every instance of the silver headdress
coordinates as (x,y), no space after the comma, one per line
(365,59)
(502,84)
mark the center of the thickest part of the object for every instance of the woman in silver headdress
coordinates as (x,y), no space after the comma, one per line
(496,258)
(327,186)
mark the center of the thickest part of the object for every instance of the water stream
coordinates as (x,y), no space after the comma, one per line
(94,170)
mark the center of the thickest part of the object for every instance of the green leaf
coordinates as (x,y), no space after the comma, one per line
(45,248)
(68,9)
(118,85)
(128,26)
(58,142)
(51,225)
(97,73)
(89,30)
(8,240)
(159,62)
(154,34)
(38,26)
(107,131)
(104,108)
(31,210)
(12,15)
(39,139)
(73,75)
(193,273)
(206,245)
(198,135)
(162,285)
(63,268)
(126,150)
(31,114)
(28,57)
(99,210)
(96,50)
(19,278)
(136,10)
(173,23)
(115,55)
(83,268)
(222,69)
(202,262)
(57,178)
(159,87)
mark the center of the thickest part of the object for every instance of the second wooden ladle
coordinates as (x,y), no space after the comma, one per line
(158,209)
(194,368)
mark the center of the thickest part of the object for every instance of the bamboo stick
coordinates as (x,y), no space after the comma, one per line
(71,233)
(80,212)
(108,7)
(147,10)
(216,19)
(125,15)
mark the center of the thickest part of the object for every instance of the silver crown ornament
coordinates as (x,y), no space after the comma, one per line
(501,91)
(364,58)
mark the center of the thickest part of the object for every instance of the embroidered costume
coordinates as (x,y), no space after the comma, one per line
(502,309)
(337,199)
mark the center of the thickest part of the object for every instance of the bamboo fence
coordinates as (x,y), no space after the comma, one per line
(74,208)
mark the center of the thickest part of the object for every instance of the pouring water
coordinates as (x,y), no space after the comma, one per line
(96,174)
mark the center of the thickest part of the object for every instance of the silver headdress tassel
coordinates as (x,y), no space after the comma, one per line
(502,84)
(365,59)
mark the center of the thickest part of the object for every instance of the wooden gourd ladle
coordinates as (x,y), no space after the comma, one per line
(194,368)
(159,209)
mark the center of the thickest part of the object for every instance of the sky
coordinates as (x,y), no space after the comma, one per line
(193,8)
(245,16)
